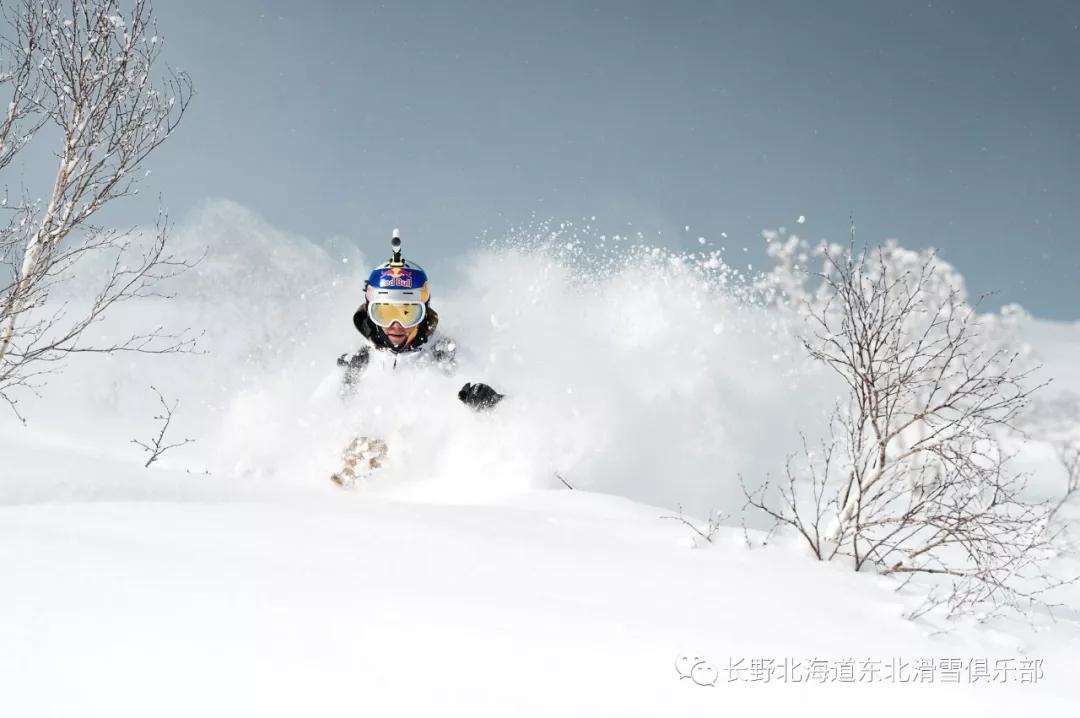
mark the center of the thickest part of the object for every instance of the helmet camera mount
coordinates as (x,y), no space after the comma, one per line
(395,244)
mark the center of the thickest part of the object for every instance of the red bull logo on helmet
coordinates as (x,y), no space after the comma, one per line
(396,277)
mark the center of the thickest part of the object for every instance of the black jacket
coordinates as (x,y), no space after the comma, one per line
(478,396)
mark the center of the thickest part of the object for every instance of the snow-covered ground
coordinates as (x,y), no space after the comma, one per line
(231,578)
(557,602)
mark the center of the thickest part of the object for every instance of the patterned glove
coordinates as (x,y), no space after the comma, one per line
(353,365)
(354,361)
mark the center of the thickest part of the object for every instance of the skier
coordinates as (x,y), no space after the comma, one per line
(398,324)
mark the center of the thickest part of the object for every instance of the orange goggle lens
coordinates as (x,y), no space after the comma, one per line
(384,314)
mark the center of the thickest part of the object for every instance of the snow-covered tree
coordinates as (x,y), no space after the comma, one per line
(912,478)
(84,77)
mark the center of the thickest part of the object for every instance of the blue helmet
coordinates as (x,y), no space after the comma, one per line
(397,281)
(393,286)
(396,284)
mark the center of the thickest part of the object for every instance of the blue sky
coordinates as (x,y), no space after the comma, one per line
(947,124)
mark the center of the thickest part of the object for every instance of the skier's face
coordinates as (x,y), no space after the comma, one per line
(396,333)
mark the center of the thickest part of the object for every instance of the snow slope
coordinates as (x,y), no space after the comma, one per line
(560,602)
(467,580)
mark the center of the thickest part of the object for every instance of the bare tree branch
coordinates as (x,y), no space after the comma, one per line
(158,446)
(911,477)
(89,71)
(711,527)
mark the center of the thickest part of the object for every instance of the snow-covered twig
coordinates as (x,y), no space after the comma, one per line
(711,527)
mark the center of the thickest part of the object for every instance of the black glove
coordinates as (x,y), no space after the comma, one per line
(479,396)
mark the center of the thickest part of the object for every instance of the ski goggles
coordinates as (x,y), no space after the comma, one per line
(407,314)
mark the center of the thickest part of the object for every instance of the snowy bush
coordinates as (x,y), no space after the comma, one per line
(912,478)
